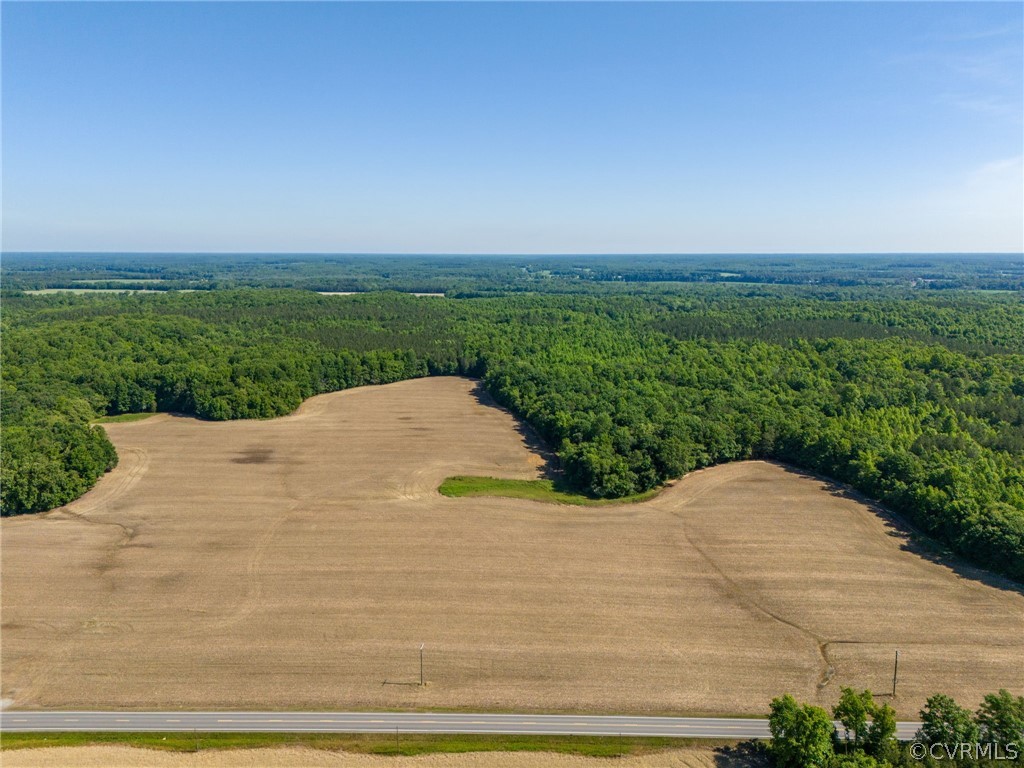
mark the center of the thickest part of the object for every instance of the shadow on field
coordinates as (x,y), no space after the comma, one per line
(911,539)
(533,441)
(254,455)
(748,754)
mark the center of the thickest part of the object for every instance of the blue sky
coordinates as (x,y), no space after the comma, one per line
(513,127)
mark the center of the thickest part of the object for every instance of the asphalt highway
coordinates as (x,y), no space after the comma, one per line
(402,722)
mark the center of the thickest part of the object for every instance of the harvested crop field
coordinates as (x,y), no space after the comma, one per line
(300,562)
(290,757)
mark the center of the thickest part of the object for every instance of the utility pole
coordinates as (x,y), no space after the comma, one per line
(421,664)
(895,670)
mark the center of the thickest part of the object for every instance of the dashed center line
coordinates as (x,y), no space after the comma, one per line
(407,722)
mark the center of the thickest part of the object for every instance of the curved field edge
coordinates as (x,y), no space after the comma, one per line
(933,433)
(556,492)
(289,526)
(548,491)
(559,491)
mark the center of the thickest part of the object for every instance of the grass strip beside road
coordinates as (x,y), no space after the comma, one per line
(535,490)
(370,743)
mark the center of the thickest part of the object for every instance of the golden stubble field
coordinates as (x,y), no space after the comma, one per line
(291,757)
(300,563)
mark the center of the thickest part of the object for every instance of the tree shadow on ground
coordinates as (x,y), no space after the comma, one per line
(911,540)
(748,754)
(551,470)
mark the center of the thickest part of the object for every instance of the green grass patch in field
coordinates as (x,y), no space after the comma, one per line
(121,418)
(368,743)
(536,490)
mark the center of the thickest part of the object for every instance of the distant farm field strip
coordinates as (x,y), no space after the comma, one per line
(43,291)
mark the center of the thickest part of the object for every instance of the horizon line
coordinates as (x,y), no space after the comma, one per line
(512,253)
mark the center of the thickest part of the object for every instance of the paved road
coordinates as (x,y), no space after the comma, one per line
(388,722)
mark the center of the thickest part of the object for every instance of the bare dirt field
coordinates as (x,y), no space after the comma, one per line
(289,757)
(299,563)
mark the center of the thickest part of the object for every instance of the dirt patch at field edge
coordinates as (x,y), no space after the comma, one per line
(301,757)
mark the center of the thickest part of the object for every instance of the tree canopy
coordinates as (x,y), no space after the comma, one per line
(917,402)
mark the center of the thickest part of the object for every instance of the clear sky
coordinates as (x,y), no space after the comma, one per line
(513,127)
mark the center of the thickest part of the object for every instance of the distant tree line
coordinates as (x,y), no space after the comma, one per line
(556,273)
(630,390)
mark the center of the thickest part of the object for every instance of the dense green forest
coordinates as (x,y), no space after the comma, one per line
(916,398)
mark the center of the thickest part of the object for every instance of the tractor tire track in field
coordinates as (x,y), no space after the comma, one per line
(253,578)
(132,465)
(253,575)
(746,597)
(526,605)
(422,482)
